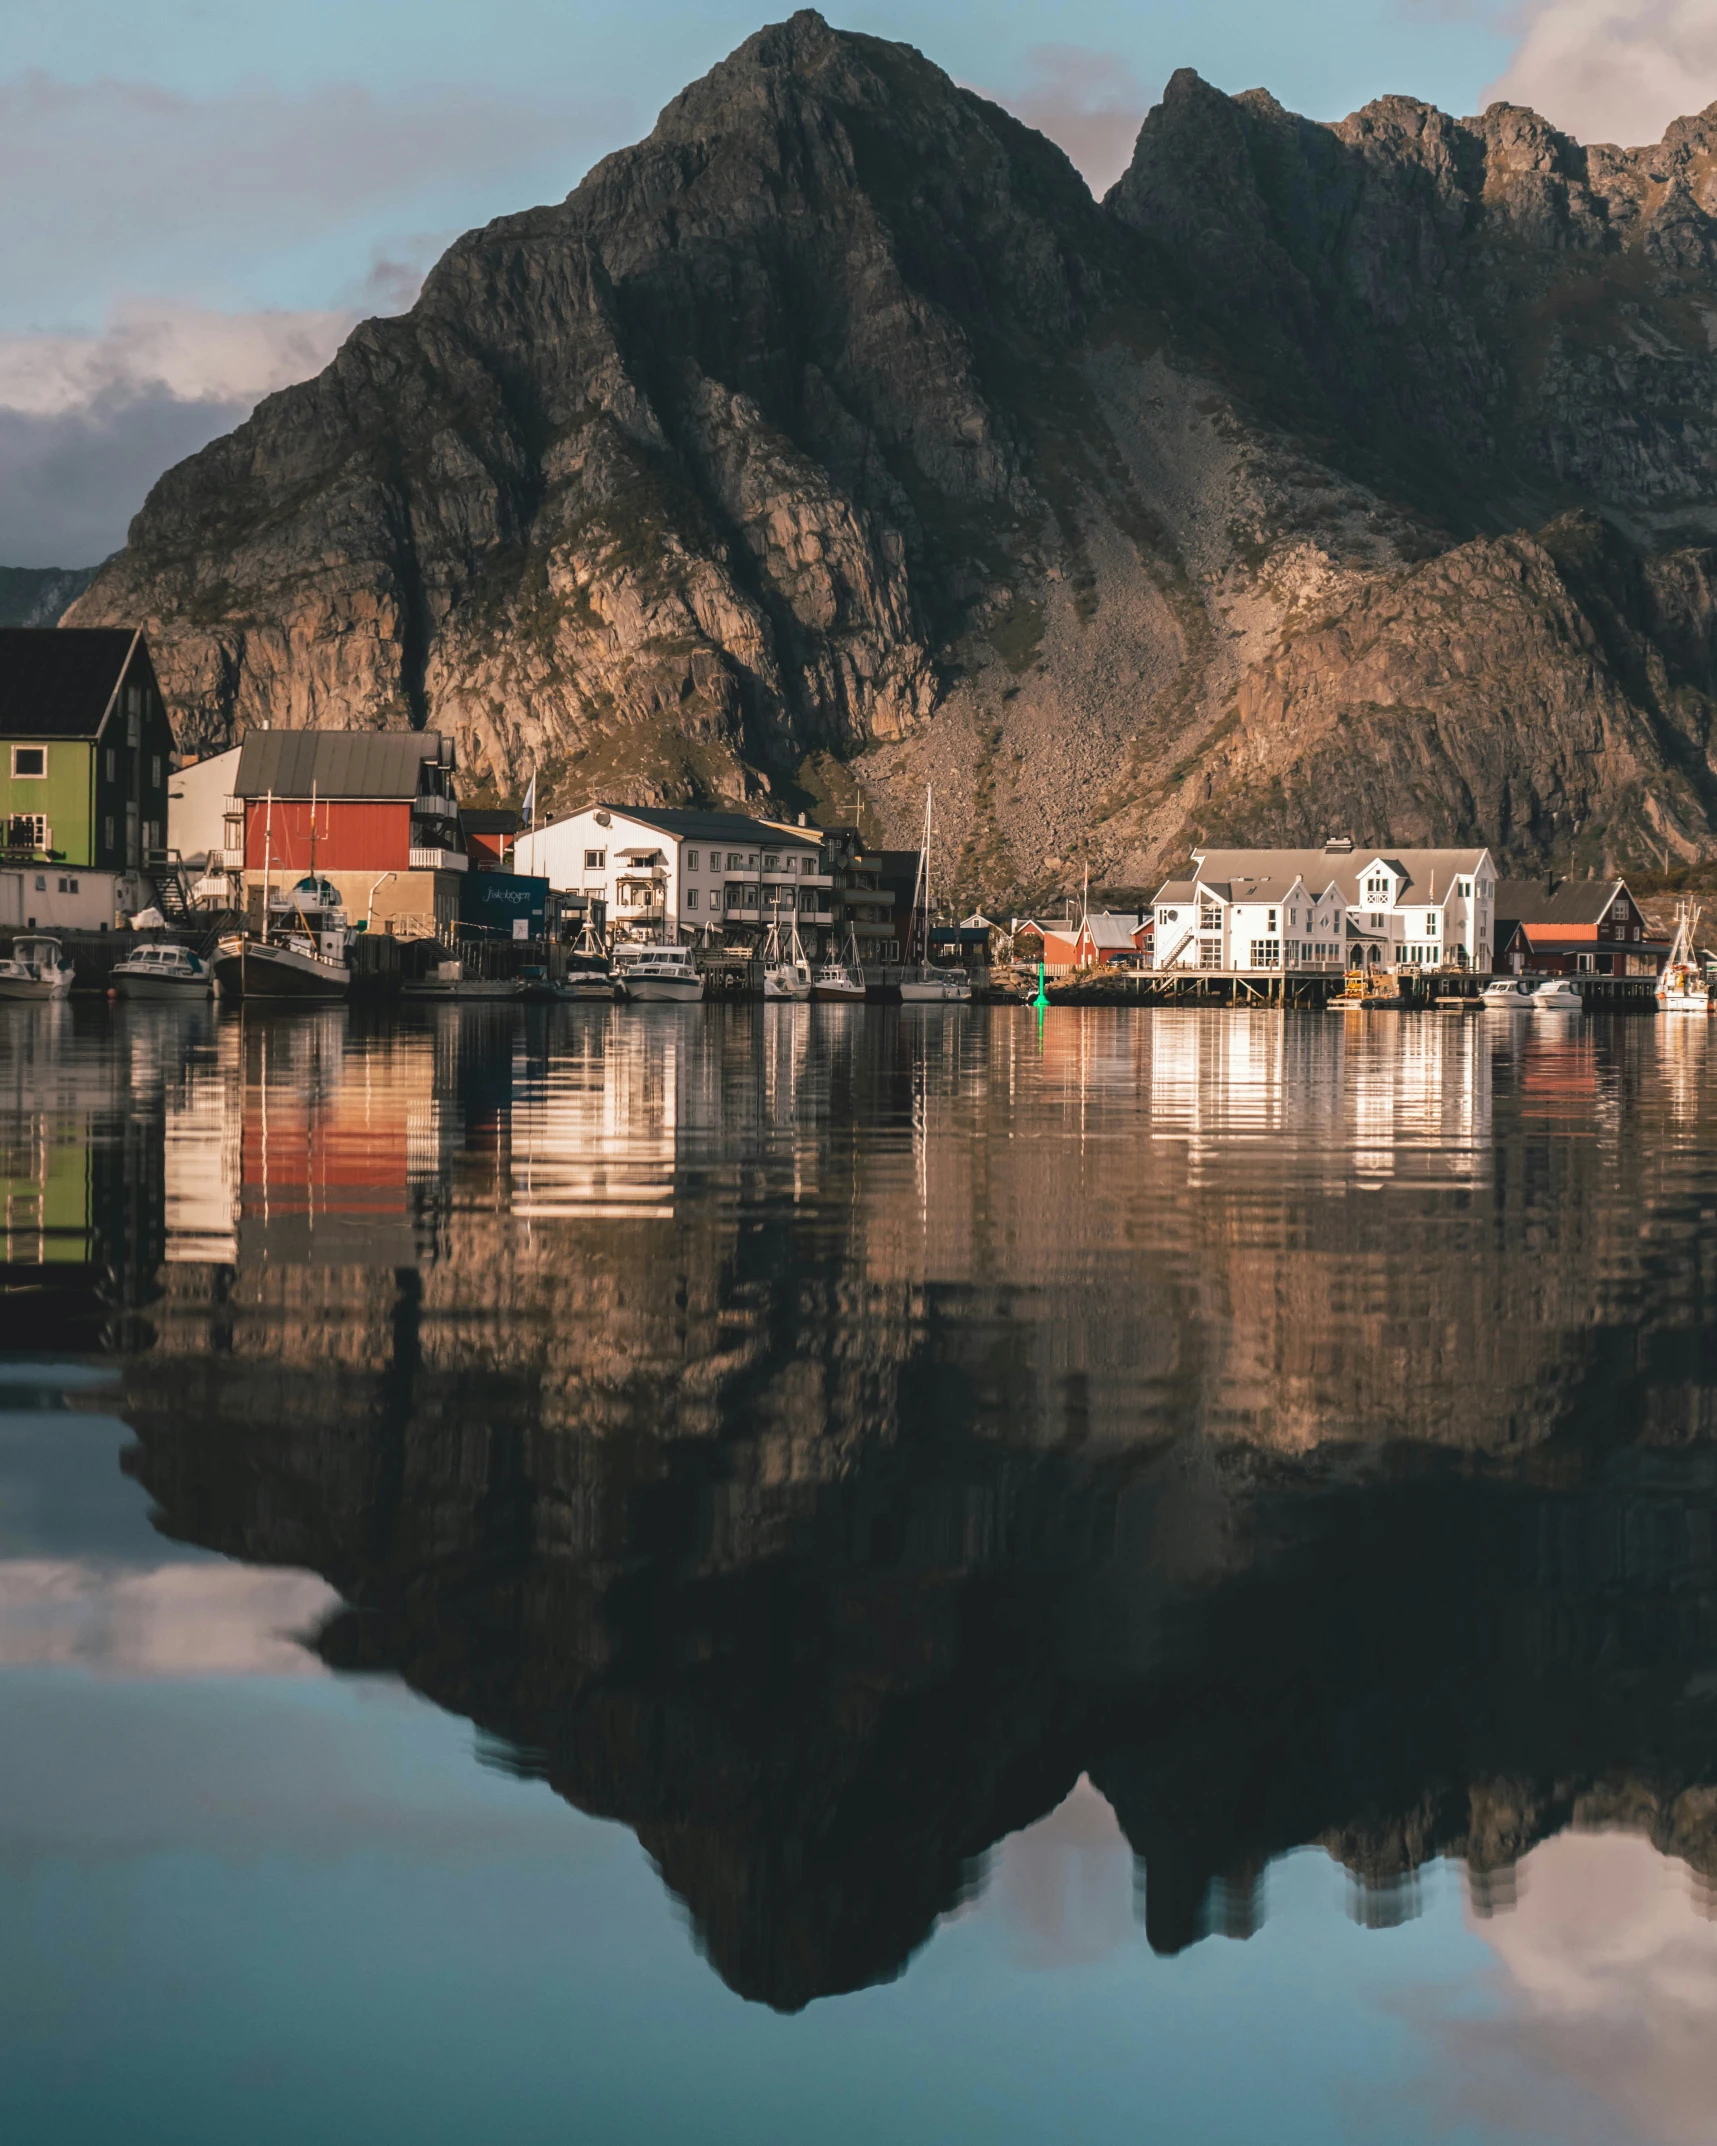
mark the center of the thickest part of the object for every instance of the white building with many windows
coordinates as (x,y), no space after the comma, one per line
(1333,908)
(684,875)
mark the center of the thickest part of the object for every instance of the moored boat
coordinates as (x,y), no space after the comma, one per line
(448,980)
(786,972)
(1556,995)
(840,980)
(662,975)
(1682,987)
(36,968)
(300,953)
(163,972)
(929,984)
(1509,994)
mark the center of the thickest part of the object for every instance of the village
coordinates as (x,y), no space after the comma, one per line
(311,863)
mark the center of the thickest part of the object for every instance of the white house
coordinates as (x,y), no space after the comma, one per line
(681,875)
(1328,909)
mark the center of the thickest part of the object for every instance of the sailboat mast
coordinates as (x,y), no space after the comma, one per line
(267,861)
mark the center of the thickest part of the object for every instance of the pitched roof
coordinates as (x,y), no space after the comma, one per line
(335,763)
(1105,927)
(1422,869)
(716,826)
(1176,890)
(59,682)
(489,820)
(1575,901)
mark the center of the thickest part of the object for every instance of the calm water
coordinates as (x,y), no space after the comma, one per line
(797,1573)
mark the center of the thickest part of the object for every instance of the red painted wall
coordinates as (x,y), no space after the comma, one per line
(352,835)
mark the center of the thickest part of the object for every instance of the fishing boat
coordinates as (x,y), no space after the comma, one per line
(1682,986)
(662,975)
(1556,995)
(588,972)
(1509,994)
(786,972)
(840,979)
(929,984)
(163,972)
(35,969)
(300,953)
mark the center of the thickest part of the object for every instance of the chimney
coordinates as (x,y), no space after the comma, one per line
(1338,846)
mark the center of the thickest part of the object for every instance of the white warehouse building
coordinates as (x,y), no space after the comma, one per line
(1334,908)
(683,875)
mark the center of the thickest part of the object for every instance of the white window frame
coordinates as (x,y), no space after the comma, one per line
(29,774)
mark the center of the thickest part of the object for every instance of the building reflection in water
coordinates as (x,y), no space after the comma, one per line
(830,1446)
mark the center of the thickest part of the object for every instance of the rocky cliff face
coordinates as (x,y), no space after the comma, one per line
(36,595)
(834,439)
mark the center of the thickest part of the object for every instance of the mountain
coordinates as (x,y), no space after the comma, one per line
(834,440)
(36,595)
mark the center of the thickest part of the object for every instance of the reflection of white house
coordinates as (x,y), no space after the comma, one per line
(1329,909)
(672,874)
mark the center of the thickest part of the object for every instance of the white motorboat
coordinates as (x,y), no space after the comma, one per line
(786,972)
(1682,987)
(929,984)
(841,981)
(1513,994)
(1556,995)
(300,952)
(163,972)
(35,969)
(593,980)
(662,975)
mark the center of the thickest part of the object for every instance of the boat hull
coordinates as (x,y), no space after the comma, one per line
(34,990)
(1684,1001)
(920,992)
(265,972)
(795,989)
(159,988)
(841,994)
(467,988)
(664,990)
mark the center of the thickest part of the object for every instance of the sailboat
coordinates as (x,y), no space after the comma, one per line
(840,979)
(786,972)
(301,952)
(929,984)
(1681,987)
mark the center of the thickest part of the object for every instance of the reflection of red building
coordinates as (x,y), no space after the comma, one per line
(1590,927)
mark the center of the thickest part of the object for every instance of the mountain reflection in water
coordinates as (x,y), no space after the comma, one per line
(830,1440)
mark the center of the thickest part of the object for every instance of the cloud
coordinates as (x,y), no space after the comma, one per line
(127,186)
(88,422)
(1605,1989)
(1613,70)
(175,1621)
(1089,102)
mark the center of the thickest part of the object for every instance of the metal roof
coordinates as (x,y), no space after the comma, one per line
(1421,869)
(59,681)
(336,763)
(1574,901)
(691,826)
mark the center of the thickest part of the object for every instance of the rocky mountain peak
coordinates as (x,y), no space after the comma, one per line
(832,439)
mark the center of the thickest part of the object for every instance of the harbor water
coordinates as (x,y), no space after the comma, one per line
(740,1573)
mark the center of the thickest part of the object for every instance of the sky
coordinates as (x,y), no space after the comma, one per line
(203,196)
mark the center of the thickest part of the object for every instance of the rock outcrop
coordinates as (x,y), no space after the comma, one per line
(834,436)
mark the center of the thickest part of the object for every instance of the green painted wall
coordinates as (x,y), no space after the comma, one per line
(64,796)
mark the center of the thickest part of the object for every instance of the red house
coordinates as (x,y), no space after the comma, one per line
(1573,927)
(1100,939)
(372,810)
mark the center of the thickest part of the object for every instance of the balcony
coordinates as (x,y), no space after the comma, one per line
(434,808)
(437,860)
(26,835)
(227,860)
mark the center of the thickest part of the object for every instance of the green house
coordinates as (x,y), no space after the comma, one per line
(85,754)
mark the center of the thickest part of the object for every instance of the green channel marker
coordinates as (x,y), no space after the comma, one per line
(1042,998)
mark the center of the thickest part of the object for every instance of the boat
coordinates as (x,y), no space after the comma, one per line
(928,984)
(300,952)
(36,968)
(448,980)
(163,972)
(1682,985)
(663,975)
(786,972)
(594,980)
(840,980)
(1556,995)
(1510,994)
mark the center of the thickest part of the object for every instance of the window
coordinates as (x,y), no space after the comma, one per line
(748,896)
(691,897)
(1266,954)
(29,761)
(691,860)
(1210,953)
(112,764)
(1209,917)
(155,771)
(71,886)
(771,864)
(595,860)
(27,830)
(1272,924)
(107,831)
(1430,923)
(41,883)
(735,862)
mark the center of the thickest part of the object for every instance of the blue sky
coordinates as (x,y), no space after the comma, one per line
(203,195)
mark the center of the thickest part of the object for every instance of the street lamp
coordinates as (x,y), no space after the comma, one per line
(370,911)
